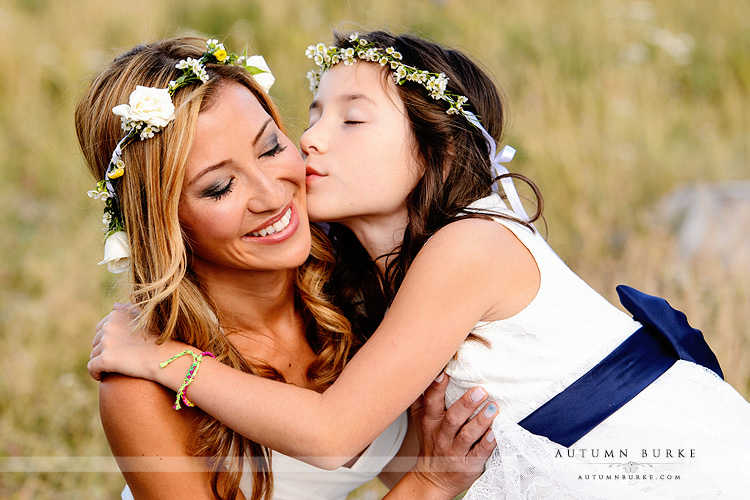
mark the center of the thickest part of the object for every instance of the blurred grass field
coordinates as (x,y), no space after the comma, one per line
(614,104)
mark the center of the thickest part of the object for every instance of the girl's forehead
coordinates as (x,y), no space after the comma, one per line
(358,79)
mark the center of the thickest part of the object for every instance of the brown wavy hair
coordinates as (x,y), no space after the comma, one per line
(172,299)
(456,171)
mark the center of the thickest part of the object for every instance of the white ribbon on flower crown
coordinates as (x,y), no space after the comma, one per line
(117,153)
(496,160)
(116,156)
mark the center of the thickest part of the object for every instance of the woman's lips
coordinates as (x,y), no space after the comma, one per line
(276,229)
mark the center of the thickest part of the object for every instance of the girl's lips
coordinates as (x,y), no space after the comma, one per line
(312,178)
(311,175)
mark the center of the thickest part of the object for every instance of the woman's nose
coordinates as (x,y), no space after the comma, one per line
(268,193)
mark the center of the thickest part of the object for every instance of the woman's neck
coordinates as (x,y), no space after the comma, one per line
(260,318)
(250,301)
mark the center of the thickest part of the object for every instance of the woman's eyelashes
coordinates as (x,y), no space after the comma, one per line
(218,191)
(275,146)
(276,149)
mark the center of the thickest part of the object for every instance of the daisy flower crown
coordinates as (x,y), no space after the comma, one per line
(148,111)
(436,84)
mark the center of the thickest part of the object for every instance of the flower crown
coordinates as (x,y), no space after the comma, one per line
(436,83)
(148,111)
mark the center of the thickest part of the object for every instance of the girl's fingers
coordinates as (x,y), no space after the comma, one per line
(95,351)
(101,322)
(98,336)
(94,365)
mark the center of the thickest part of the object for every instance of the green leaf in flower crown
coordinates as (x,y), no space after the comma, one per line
(254,70)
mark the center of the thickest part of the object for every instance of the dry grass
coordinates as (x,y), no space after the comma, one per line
(609,116)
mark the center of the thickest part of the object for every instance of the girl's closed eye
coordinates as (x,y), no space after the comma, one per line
(218,191)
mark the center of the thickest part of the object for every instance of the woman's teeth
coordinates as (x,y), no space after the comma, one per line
(276,227)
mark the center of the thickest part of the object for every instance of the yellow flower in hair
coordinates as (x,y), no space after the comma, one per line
(220,55)
(118,171)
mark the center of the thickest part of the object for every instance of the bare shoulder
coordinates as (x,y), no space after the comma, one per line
(137,415)
(478,239)
(490,256)
(151,441)
(123,398)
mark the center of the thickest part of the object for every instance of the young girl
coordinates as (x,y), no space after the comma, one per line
(593,404)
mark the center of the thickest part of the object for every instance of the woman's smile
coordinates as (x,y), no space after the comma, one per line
(277,229)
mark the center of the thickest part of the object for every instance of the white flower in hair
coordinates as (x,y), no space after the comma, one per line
(195,66)
(117,253)
(148,105)
(258,67)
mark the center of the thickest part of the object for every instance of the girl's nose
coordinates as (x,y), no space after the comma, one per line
(313,140)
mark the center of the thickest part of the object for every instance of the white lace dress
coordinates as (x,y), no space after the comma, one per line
(687,435)
(296,480)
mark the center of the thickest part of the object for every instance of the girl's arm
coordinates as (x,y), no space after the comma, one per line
(470,270)
(149,440)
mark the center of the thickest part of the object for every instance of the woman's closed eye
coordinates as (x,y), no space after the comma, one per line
(218,191)
(276,149)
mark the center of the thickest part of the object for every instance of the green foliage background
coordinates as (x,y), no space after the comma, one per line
(612,109)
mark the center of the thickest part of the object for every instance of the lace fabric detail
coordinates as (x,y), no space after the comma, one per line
(567,329)
(684,437)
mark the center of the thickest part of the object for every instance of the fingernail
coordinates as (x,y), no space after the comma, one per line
(491,437)
(440,378)
(490,410)
(477,394)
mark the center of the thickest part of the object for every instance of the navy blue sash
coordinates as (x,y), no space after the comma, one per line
(643,357)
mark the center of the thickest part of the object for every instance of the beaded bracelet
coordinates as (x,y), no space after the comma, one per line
(190,374)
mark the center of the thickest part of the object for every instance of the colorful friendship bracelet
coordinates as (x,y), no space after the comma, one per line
(189,377)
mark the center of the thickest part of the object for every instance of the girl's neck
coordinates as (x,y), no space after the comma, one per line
(379,235)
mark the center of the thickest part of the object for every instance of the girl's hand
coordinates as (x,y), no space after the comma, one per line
(453,445)
(119,347)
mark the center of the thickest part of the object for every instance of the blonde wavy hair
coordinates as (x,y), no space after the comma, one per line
(171,298)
